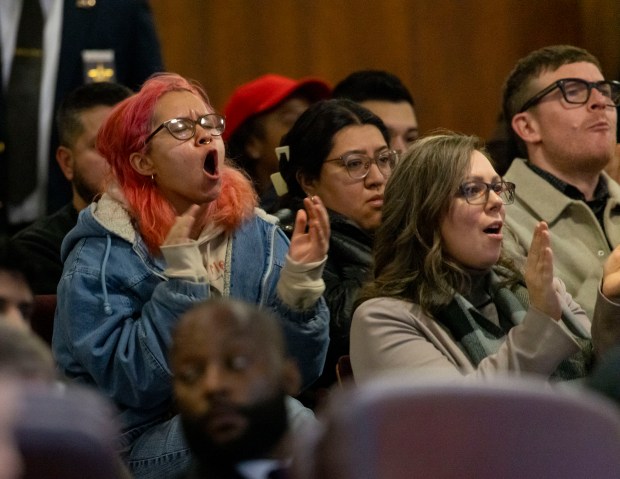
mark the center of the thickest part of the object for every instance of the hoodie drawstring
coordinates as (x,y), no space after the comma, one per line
(107,308)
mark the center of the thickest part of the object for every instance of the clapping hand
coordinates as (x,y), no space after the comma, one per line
(611,276)
(310,240)
(539,273)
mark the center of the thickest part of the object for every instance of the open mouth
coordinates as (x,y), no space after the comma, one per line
(493,230)
(210,165)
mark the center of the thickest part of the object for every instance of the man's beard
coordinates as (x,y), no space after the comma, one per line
(267,423)
(84,190)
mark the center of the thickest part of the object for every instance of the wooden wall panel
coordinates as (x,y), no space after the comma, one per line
(452,54)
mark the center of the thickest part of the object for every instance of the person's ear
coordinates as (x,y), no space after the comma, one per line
(142,164)
(526,127)
(65,159)
(291,377)
(254,147)
(309,186)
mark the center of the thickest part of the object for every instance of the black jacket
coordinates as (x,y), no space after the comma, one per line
(349,262)
(40,242)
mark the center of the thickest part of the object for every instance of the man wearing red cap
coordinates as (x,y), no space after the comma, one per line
(258,114)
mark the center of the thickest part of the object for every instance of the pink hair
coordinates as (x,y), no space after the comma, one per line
(124,133)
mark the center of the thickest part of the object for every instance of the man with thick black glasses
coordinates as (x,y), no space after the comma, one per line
(563,114)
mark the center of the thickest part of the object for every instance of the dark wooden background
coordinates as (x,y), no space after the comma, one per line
(452,54)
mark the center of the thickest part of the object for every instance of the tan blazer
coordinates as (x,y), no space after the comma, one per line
(580,246)
(390,334)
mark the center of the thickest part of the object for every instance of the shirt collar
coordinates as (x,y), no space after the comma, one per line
(601,192)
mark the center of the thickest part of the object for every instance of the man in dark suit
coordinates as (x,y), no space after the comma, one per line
(94,40)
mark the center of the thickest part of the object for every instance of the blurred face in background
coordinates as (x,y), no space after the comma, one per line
(230,386)
(81,163)
(272,126)
(400,120)
(16,299)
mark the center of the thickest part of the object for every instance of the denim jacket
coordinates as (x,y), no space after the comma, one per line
(117,310)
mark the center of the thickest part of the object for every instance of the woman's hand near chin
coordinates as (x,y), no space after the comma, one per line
(183,228)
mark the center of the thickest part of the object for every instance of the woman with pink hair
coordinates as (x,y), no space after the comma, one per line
(177,225)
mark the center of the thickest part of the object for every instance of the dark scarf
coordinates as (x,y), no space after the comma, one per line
(478,337)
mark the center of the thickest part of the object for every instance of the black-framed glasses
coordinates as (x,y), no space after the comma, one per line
(577,92)
(477,192)
(358,164)
(185,128)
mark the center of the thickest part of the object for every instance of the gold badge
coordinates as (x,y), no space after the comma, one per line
(85,3)
(99,66)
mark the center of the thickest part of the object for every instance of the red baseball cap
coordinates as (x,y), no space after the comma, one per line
(264,93)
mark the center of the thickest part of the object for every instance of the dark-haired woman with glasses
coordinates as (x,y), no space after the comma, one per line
(177,225)
(445,299)
(339,151)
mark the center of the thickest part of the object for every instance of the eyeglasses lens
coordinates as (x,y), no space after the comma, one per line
(181,128)
(213,123)
(185,128)
(358,165)
(477,193)
(505,192)
(578,92)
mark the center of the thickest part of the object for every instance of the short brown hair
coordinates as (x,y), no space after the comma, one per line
(516,90)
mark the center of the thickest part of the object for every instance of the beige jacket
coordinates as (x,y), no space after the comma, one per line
(579,244)
(390,334)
